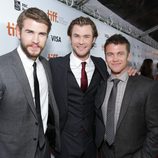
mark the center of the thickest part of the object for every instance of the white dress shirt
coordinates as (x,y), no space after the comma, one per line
(43,84)
(75,65)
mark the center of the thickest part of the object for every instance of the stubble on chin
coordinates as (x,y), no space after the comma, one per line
(30,55)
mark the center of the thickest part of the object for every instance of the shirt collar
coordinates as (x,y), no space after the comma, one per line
(76,62)
(123,77)
(25,59)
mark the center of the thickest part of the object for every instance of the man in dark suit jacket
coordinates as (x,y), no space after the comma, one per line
(76,107)
(136,107)
(19,123)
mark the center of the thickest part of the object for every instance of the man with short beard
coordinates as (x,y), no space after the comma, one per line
(26,96)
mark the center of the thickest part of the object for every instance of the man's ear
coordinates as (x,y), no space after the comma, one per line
(94,39)
(129,58)
(18,31)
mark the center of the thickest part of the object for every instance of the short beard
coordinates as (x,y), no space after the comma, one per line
(27,53)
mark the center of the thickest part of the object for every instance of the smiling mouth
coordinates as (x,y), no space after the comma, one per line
(116,64)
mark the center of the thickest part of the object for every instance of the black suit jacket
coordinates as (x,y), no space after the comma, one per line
(59,67)
(137,127)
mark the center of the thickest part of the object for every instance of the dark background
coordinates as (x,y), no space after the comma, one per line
(143,14)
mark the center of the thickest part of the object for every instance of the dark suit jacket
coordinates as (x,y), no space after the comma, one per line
(18,118)
(59,68)
(137,128)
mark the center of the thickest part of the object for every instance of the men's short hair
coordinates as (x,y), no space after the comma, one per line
(36,14)
(81,21)
(117,39)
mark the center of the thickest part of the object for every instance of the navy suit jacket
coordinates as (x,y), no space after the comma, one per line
(59,67)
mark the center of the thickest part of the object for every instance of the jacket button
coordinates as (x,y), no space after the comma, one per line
(36,123)
(34,139)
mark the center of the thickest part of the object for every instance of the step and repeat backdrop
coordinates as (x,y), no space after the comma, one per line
(58,43)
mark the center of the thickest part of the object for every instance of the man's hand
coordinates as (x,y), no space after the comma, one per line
(132,71)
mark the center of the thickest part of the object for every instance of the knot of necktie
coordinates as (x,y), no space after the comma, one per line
(116,81)
(83,64)
(34,65)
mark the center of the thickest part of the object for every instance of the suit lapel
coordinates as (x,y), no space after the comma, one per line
(21,76)
(130,88)
(64,72)
(101,68)
(100,94)
(102,85)
(52,102)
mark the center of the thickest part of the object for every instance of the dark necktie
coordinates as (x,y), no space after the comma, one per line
(41,138)
(84,81)
(111,113)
